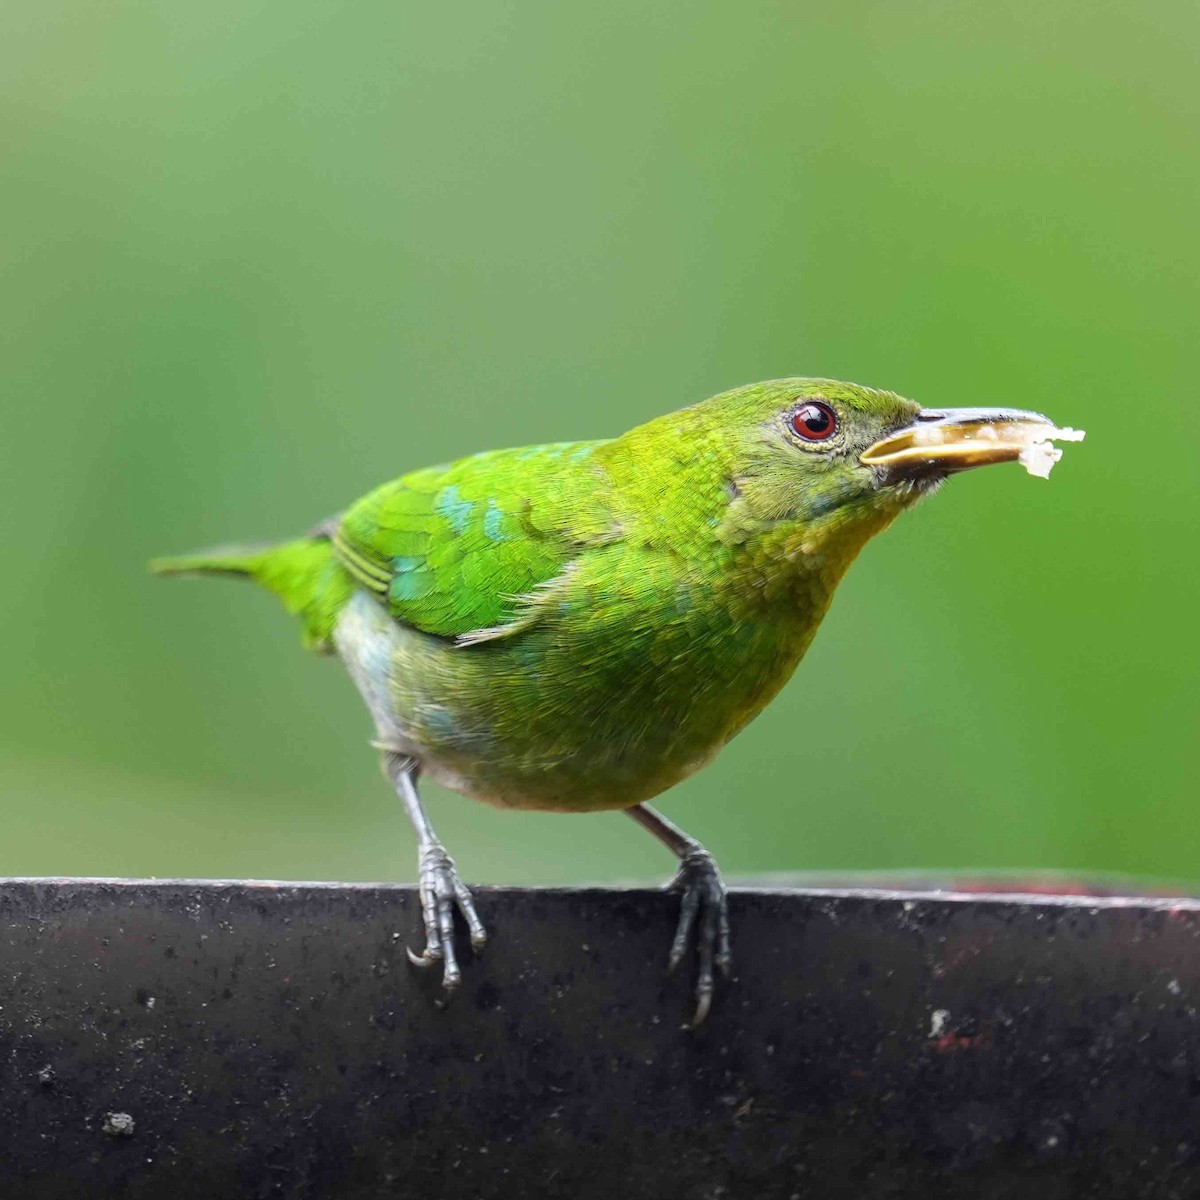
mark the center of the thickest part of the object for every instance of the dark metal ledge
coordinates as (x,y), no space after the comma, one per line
(217,1040)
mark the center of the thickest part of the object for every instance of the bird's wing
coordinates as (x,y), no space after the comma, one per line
(477,550)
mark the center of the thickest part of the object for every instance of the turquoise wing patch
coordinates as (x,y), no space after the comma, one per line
(472,551)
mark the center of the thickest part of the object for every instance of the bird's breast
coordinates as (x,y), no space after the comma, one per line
(620,692)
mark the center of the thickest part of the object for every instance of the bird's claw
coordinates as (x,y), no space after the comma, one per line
(705,900)
(441,892)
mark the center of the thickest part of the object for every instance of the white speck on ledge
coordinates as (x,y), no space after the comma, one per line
(118,1124)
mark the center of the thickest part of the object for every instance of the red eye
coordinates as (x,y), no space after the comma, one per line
(814,421)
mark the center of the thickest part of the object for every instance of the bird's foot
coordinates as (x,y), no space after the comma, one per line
(441,892)
(705,902)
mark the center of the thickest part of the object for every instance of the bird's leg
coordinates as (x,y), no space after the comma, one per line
(703,898)
(441,889)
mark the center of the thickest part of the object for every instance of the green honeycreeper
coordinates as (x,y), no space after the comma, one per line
(579,626)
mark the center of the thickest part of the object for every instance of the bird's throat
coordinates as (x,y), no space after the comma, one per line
(797,565)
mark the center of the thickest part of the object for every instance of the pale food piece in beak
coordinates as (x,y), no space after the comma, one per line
(1039,456)
(957,441)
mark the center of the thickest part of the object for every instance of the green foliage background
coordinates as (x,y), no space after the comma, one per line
(259,256)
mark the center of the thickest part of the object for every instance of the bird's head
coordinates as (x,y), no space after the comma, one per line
(835,463)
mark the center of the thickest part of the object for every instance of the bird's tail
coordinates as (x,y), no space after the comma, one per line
(239,561)
(304,574)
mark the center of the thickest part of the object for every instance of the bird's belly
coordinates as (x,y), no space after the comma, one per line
(545,722)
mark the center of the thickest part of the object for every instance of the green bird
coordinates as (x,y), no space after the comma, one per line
(579,626)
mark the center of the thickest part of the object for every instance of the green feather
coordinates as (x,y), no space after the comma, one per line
(304,574)
(454,549)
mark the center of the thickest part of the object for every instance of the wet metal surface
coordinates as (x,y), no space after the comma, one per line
(256,1040)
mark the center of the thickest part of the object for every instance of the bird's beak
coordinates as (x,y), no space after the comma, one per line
(942,441)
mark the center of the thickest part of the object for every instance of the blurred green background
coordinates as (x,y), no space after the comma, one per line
(258,257)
